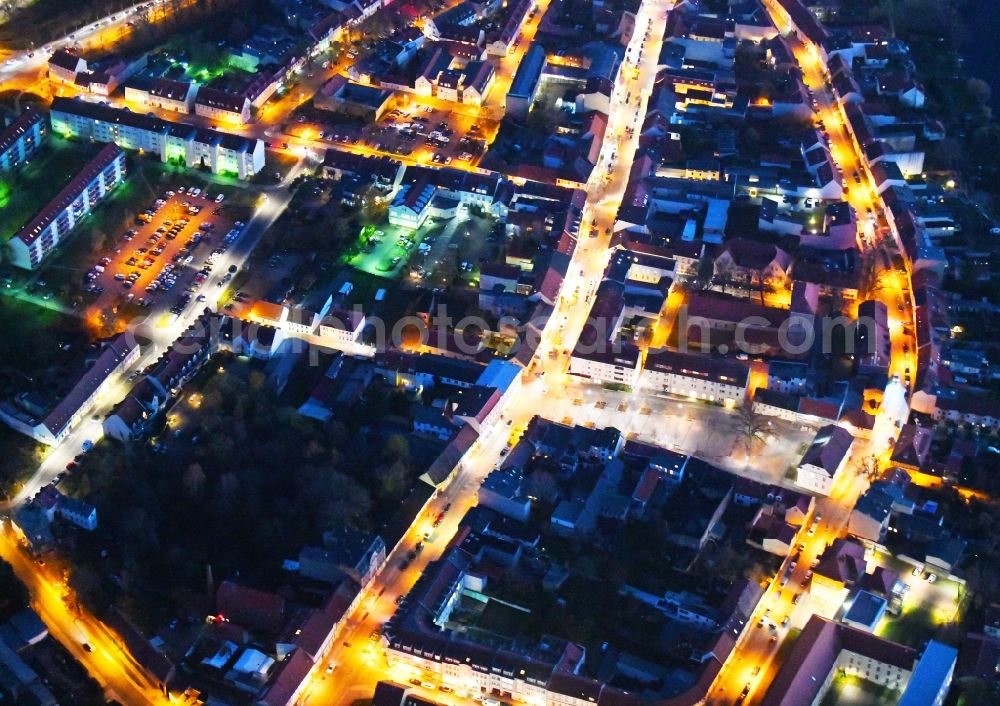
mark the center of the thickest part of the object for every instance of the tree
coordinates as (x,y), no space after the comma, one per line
(396,448)
(194,480)
(979,90)
(751,424)
(374,205)
(13,594)
(393,479)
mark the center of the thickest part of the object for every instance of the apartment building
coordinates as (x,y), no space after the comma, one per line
(21,139)
(165,94)
(222,105)
(52,224)
(221,152)
(53,425)
(695,376)
(619,367)
(824,459)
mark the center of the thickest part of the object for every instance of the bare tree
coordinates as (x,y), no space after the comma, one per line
(751,424)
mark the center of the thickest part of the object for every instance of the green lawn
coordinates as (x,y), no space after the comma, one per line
(913,627)
(855,691)
(34,186)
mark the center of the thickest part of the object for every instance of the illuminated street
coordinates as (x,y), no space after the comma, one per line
(691,152)
(752,663)
(359,662)
(75,628)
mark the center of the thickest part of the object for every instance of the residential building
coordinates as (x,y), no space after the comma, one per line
(50,227)
(825,458)
(345,552)
(64,66)
(608,366)
(22,138)
(873,346)
(840,567)
(503,491)
(177,96)
(222,105)
(870,517)
(341,325)
(826,649)
(787,377)
(250,608)
(695,376)
(221,152)
(749,261)
(53,426)
(132,417)
(966,408)
(80,513)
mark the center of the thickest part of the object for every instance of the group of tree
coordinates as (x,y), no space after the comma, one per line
(260,483)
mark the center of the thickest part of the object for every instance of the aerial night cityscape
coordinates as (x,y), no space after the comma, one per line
(499,352)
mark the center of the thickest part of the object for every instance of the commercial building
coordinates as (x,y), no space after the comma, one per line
(21,139)
(220,152)
(53,223)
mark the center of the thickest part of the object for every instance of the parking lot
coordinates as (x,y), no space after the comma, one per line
(165,257)
(420,132)
(433,253)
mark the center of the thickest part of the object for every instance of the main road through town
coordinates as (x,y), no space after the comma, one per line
(752,665)
(85,637)
(357,661)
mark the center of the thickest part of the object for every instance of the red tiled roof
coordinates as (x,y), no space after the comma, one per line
(646,486)
(249,607)
(288,682)
(314,633)
(12,133)
(815,653)
(64,198)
